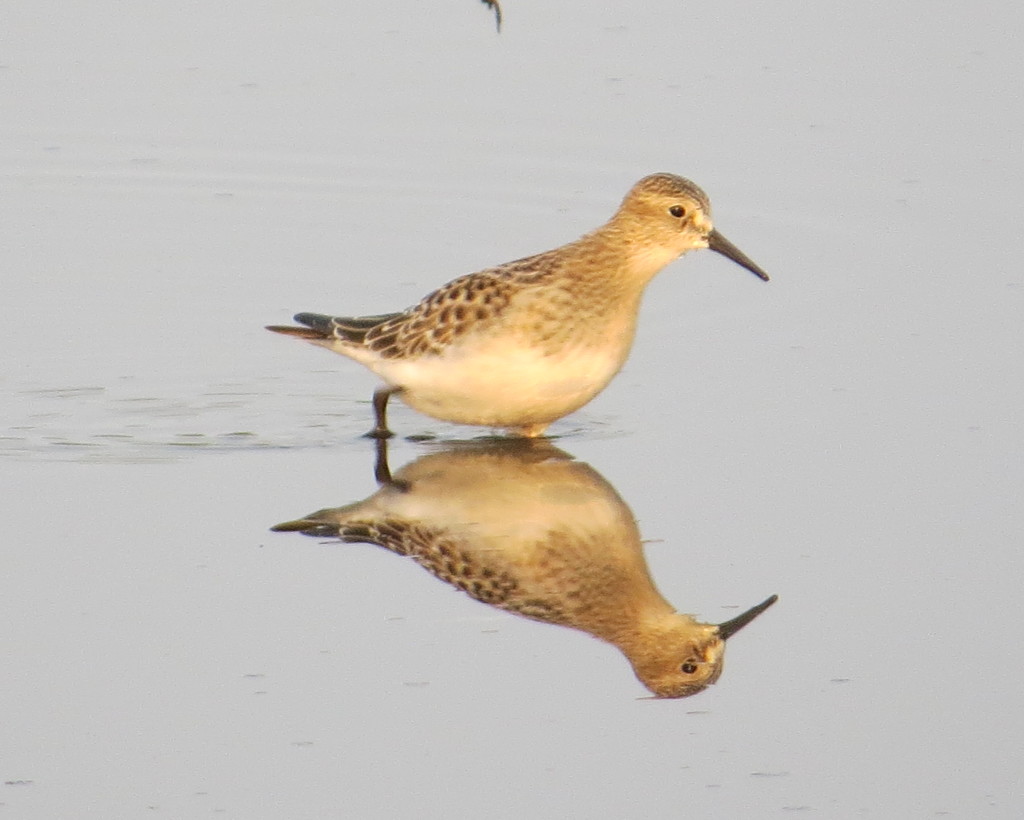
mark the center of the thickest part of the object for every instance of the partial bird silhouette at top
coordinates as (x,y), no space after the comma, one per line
(494,4)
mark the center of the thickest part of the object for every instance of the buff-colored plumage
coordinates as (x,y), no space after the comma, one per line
(528,342)
(521,526)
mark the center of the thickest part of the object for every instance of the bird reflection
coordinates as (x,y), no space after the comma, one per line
(520,525)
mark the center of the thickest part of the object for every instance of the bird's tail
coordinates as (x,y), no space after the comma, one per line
(348,523)
(309,526)
(317,326)
(320,326)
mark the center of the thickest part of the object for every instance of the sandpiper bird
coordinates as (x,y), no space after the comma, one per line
(520,345)
(521,526)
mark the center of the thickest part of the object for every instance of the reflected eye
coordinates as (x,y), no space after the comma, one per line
(677,211)
(688,668)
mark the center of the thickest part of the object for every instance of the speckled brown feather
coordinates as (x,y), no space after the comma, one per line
(440,554)
(587,272)
(469,302)
(472,302)
(528,530)
(520,345)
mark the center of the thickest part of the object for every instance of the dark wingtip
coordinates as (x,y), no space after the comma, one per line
(315,321)
(300,332)
(291,526)
(317,326)
(307,526)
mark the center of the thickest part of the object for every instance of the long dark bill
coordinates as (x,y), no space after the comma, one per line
(731,627)
(719,244)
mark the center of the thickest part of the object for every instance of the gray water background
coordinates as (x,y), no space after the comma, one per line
(849,436)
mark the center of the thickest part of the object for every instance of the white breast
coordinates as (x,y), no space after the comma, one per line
(500,386)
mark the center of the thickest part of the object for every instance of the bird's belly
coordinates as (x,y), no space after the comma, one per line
(500,388)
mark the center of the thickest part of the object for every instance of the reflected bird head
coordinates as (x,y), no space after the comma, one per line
(684,657)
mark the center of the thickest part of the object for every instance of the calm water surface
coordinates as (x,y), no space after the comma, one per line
(172,178)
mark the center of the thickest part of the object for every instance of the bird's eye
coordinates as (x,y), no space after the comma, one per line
(677,211)
(688,668)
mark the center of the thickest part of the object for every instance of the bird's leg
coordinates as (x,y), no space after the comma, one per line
(382,470)
(380,412)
